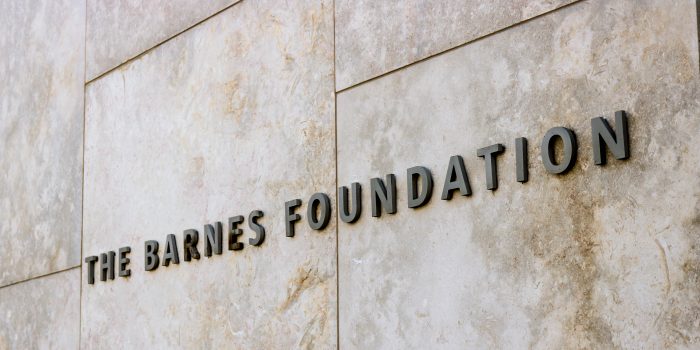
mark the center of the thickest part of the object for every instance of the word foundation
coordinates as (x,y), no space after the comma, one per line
(420,180)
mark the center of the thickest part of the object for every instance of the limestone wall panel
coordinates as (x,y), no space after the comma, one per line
(600,257)
(234,115)
(41,136)
(376,37)
(120,30)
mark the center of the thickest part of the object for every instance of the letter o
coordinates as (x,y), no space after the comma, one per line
(547,150)
(322,200)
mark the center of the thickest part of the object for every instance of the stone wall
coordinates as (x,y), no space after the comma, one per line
(122,123)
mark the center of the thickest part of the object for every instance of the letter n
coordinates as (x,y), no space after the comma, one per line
(618,143)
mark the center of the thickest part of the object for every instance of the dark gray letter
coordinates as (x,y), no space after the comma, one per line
(170,252)
(381,197)
(213,239)
(414,174)
(253,224)
(456,178)
(151,255)
(290,217)
(521,159)
(489,154)
(548,154)
(346,214)
(234,232)
(91,260)
(189,244)
(321,202)
(124,261)
(107,266)
(602,133)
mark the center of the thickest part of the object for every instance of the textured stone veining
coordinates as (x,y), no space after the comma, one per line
(43,313)
(234,115)
(375,37)
(41,136)
(120,30)
(599,258)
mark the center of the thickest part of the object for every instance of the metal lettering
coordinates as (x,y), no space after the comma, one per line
(521,172)
(548,152)
(347,214)
(618,144)
(259,230)
(381,197)
(213,242)
(489,154)
(170,252)
(234,232)
(322,203)
(124,262)
(456,179)
(151,255)
(290,217)
(107,266)
(415,198)
(189,244)
(91,260)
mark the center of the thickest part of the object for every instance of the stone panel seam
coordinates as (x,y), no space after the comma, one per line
(337,229)
(394,70)
(82,191)
(41,276)
(697,20)
(136,57)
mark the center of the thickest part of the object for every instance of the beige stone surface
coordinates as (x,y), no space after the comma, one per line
(599,258)
(375,37)
(41,136)
(120,30)
(234,115)
(42,313)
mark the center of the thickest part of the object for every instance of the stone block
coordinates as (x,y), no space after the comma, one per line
(42,313)
(600,257)
(41,136)
(120,30)
(234,115)
(375,37)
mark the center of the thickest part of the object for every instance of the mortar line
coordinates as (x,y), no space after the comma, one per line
(40,276)
(82,191)
(148,50)
(471,41)
(697,28)
(337,227)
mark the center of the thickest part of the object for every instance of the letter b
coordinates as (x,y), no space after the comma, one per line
(151,255)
